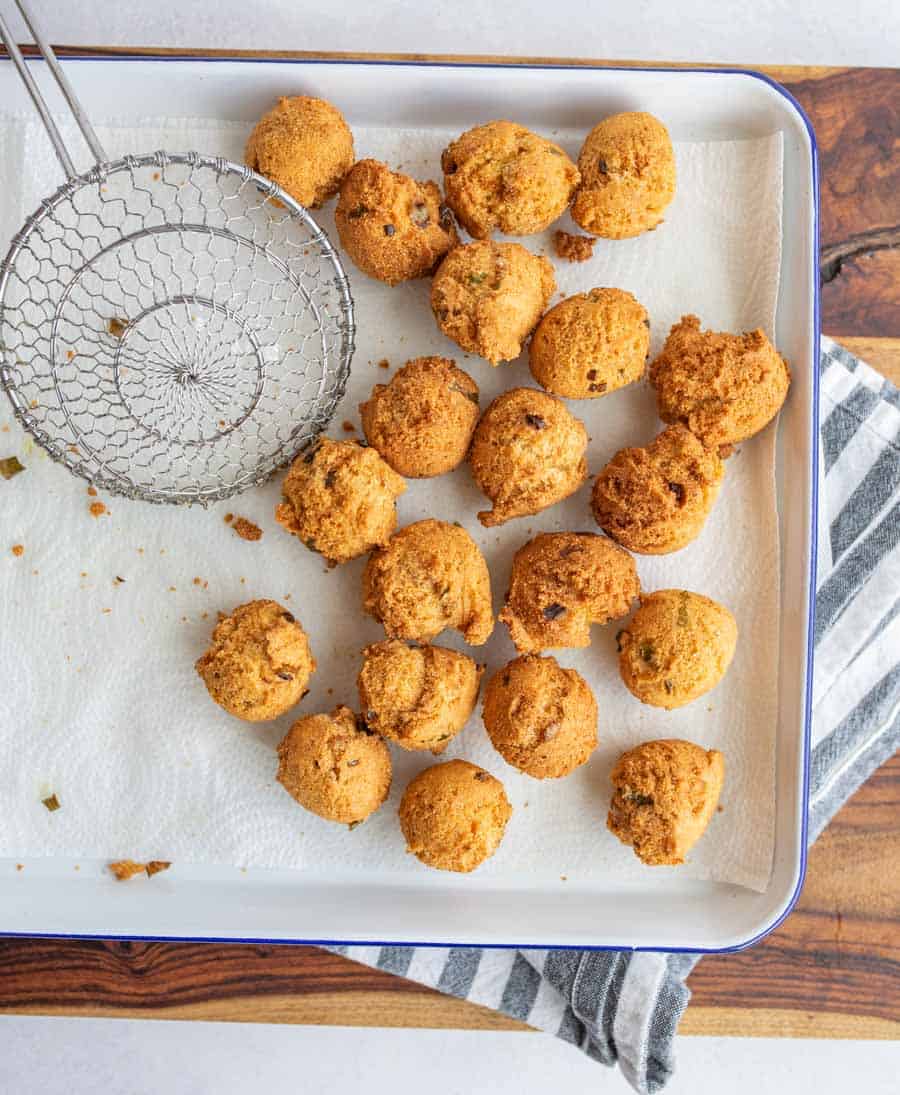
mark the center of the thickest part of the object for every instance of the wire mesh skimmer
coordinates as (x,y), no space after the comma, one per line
(173,327)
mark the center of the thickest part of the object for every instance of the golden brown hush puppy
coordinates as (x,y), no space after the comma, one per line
(655,499)
(334,767)
(541,718)
(339,499)
(502,176)
(259,662)
(393,227)
(429,576)
(418,696)
(487,297)
(723,387)
(423,420)
(527,454)
(305,146)
(664,793)
(590,344)
(627,176)
(453,816)
(677,647)
(561,583)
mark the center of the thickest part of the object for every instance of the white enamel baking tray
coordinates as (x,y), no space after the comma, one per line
(50,897)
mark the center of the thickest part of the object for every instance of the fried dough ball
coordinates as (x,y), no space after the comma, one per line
(527,454)
(677,647)
(335,767)
(339,499)
(590,344)
(453,815)
(429,576)
(723,387)
(418,696)
(305,146)
(627,176)
(561,583)
(393,227)
(259,662)
(487,297)
(423,420)
(655,499)
(541,718)
(502,176)
(664,794)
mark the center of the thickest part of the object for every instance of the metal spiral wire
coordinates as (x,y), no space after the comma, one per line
(173,328)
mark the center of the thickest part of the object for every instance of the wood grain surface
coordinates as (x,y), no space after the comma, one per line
(833,968)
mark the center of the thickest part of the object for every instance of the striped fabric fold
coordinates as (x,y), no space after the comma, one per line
(621,1007)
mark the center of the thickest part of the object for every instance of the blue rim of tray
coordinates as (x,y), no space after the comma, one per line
(814,489)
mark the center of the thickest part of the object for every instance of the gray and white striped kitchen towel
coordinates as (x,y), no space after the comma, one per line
(625,1007)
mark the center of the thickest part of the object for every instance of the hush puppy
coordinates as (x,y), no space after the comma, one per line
(723,387)
(393,227)
(259,662)
(590,344)
(487,297)
(305,146)
(627,176)
(677,647)
(339,499)
(418,696)
(429,576)
(453,816)
(561,583)
(502,176)
(334,767)
(527,453)
(541,718)
(423,420)
(664,793)
(655,499)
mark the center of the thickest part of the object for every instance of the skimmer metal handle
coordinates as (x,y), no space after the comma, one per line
(46,51)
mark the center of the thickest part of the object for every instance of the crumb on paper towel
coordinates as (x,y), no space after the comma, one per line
(18,550)
(116,326)
(201,583)
(384,363)
(573,248)
(92,491)
(97,509)
(228,518)
(10,466)
(51,802)
(124,869)
(118,580)
(348,426)
(20,866)
(247,530)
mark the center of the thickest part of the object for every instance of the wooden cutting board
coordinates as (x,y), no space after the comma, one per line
(832,970)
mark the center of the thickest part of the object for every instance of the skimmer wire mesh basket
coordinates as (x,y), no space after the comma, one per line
(173,327)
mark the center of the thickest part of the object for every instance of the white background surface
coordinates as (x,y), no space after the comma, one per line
(78,1057)
(126,1057)
(821,32)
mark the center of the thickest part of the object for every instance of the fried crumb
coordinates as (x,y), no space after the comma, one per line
(20,866)
(124,869)
(10,466)
(573,248)
(246,529)
(18,550)
(564,878)
(384,363)
(140,551)
(172,589)
(229,517)
(330,691)
(106,610)
(70,354)
(97,509)
(348,427)
(92,492)
(204,615)
(116,327)
(118,580)
(201,583)
(243,580)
